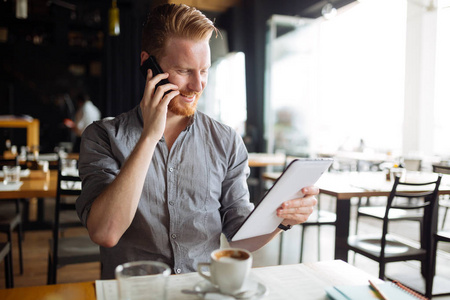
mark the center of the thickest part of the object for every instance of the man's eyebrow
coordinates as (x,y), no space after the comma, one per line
(189,68)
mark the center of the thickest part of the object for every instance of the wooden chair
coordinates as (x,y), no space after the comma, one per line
(395,214)
(66,250)
(5,255)
(385,248)
(318,219)
(444,203)
(11,217)
(441,236)
(444,200)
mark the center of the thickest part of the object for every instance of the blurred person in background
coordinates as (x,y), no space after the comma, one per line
(86,113)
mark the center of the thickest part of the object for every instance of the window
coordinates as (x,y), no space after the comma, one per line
(340,83)
(343,82)
(225,97)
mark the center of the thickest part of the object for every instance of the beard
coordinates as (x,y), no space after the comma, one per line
(181,108)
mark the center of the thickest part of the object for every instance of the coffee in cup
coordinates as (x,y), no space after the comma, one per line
(229,269)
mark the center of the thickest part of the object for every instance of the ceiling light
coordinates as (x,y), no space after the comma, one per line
(114,20)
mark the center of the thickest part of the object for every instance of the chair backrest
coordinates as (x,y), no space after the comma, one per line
(427,193)
(67,185)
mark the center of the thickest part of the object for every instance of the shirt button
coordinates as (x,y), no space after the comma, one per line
(171,203)
(178,271)
(170,169)
(174,236)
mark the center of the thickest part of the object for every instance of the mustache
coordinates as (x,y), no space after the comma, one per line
(189,93)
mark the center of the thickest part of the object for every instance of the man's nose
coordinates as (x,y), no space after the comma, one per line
(196,82)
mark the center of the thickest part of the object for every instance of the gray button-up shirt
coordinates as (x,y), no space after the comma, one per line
(190,196)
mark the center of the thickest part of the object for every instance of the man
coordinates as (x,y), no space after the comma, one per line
(86,113)
(163,181)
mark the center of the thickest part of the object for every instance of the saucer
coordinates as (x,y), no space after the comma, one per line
(207,287)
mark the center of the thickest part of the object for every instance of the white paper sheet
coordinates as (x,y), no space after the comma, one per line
(10,186)
(286,282)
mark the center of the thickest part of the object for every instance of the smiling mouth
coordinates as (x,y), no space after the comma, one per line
(189,97)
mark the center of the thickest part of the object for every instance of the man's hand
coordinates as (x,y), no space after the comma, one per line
(297,211)
(154,105)
(69,123)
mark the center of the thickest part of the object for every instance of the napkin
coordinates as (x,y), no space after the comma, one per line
(11,186)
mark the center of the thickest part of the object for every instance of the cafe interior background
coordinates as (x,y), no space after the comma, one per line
(306,78)
(373,77)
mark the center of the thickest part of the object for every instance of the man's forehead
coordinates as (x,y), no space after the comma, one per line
(180,50)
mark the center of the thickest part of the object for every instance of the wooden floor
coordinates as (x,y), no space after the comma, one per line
(35,251)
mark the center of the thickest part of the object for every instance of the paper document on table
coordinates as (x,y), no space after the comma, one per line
(292,280)
(106,290)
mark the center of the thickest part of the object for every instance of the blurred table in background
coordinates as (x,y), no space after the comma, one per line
(266,159)
(357,160)
(258,163)
(30,124)
(345,185)
(443,168)
(35,187)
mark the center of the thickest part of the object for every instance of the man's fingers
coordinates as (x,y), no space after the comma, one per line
(300,202)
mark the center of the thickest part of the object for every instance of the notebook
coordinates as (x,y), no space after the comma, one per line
(299,173)
(392,290)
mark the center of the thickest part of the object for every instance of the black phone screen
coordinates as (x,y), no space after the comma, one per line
(151,63)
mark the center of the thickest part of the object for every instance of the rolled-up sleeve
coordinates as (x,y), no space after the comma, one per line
(97,167)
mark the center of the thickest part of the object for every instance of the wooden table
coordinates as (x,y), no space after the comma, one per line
(258,163)
(38,184)
(346,185)
(356,158)
(266,159)
(67,291)
(298,281)
(443,168)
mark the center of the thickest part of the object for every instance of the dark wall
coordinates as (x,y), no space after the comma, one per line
(46,60)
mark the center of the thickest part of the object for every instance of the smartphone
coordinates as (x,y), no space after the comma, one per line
(151,63)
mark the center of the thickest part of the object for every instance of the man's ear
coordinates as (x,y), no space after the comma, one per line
(144,56)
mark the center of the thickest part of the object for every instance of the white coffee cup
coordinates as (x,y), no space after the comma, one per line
(229,268)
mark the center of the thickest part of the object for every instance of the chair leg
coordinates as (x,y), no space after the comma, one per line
(302,243)
(444,217)
(429,278)
(356,223)
(318,243)
(19,237)
(9,276)
(49,271)
(382,272)
(9,237)
(356,232)
(280,249)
